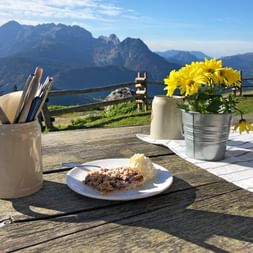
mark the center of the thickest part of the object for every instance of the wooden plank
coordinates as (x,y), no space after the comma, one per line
(140,79)
(156,224)
(247,95)
(139,101)
(86,107)
(55,198)
(84,152)
(169,230)
(141,92)
(154,82)
(90,144)
(94,134)
(90,90)
(139,85)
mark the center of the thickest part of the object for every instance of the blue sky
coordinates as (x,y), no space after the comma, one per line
(217,27)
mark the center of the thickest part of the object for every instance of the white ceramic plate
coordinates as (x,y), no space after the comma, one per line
(76,176)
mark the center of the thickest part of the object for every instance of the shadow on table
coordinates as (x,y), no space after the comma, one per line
(240,157)
(241,144)
(168,212)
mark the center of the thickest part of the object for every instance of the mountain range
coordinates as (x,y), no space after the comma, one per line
(78,60)
(72,52)
(182,57)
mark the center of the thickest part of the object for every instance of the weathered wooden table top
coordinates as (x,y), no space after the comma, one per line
(198,213)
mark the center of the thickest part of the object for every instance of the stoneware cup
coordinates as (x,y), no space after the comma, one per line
(166,118)
(20,159)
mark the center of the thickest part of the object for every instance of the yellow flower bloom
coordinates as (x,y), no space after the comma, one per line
(209,68)
(243,126)
(191,83)
(172,82)
(189,79)
(228,76)
(212,64)
(203,85)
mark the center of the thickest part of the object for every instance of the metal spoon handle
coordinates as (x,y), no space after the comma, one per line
(79,165)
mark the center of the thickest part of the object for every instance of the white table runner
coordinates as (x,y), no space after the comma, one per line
(237,167)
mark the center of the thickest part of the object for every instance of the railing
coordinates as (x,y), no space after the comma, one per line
(48,115)
(84,107)
(143,98)
(246,86)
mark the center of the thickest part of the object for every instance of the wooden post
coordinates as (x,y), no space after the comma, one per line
(240,89)
(141,92)
(46,116)
(236,89)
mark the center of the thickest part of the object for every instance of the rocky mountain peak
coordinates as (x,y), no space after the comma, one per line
(11,25)
(134,45)
(112,39)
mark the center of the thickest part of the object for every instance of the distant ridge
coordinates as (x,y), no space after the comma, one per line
(61,49)
(78,60)
(242,62)
(182,57)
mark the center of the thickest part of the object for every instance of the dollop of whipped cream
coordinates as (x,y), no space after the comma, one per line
(142,165)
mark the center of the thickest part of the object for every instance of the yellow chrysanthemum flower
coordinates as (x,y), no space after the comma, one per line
(171,82)
(192,76)
(209,68)
(243,126)
(211,65)
(228,76)
(191,80)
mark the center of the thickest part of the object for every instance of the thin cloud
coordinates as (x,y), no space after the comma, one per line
(110,11)
(59,10)
(216,48)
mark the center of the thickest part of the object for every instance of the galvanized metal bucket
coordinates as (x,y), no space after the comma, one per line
(206,135)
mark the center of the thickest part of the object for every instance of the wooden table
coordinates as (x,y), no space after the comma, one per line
(199,213)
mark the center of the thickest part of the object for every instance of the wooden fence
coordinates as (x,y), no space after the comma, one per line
(245,87)
(138,98)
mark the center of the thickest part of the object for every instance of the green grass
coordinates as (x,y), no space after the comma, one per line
(126,114)
(245,104)
(130,120)
(57,107)
(118,121)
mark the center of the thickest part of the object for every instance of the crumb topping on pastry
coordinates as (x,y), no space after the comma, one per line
(114,179)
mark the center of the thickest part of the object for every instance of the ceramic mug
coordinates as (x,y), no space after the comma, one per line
(166,118)
(20,159)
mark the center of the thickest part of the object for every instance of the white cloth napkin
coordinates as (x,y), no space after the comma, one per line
(237,167)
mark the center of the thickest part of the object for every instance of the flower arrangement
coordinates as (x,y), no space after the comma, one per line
(204,86)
